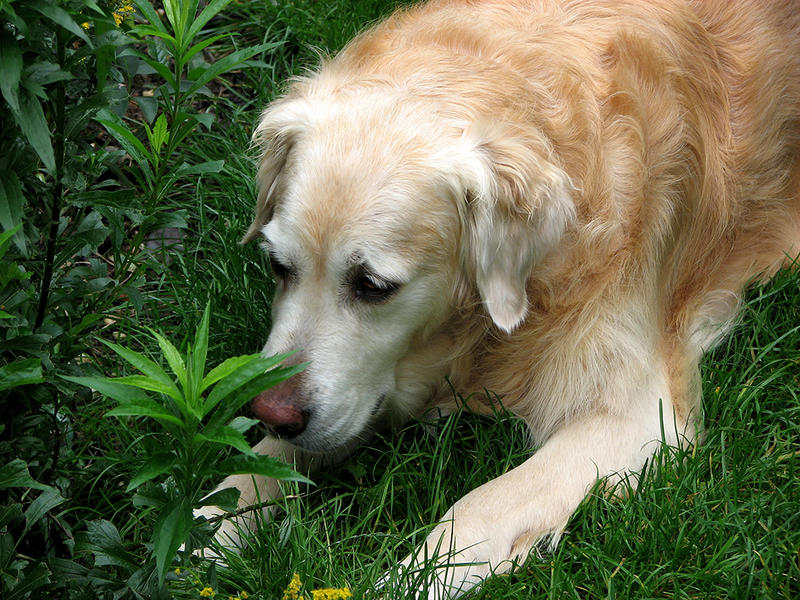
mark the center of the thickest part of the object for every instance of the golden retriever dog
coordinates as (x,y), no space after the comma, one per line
(558,201)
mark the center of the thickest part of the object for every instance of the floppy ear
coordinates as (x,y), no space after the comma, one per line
(519,205)
(280,125)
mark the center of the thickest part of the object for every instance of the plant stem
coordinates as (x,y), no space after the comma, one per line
(59,111)
(58,189)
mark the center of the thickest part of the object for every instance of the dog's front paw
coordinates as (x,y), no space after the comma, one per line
(460,552)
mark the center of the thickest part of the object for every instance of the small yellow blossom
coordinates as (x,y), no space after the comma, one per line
(292,591)
(122,12)
(207,592)
(244,595)
(331,594)
(177,570)
(85,25)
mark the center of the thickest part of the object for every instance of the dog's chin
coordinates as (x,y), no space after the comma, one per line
(330,443)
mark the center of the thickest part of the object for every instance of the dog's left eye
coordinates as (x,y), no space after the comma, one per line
(369,288)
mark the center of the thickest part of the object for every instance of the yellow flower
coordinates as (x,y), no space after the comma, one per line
(122,12)
(292,591)
(85,25)
(177,570)
(244,595)
(207,592)
(331,594)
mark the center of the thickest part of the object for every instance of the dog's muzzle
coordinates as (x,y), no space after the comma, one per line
(282,408)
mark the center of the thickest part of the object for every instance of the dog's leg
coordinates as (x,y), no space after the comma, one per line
(254,490)
(503,519)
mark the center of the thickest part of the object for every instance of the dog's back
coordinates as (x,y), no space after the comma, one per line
(678,125)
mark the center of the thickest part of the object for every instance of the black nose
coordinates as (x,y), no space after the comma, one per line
(293,427)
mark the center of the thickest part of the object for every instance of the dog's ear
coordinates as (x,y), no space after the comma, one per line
(277,131)
(519,204)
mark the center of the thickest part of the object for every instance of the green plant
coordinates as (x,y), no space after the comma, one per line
(175,53)
(73,217)
(195,412)
(20,574)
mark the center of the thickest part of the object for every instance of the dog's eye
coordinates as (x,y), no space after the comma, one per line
(368,288)
(280,270)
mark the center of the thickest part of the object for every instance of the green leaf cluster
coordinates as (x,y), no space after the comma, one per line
(196,413)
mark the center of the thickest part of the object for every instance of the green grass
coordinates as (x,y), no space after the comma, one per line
(719,521)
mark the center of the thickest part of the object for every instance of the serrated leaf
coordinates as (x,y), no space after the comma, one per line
(266,466)
(33,124)
(211,166)
(200,349)
(145,409)
(170,531)
(227,499)
(174,358)
(209,12)
(146,8)
(248,370)
(157,136)
(225,369)
(143,364)
(245,393)
(243,424)
(144,382)
(227,436)
(203,75)
(124,394)
(154,466)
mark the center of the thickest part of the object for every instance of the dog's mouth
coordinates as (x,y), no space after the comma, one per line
(377,406)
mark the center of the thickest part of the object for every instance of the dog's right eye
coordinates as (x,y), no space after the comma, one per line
(280,270)
(369,288)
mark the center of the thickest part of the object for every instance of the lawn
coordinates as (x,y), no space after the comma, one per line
(99,157)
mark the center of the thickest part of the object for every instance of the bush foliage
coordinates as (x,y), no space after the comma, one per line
(99,99)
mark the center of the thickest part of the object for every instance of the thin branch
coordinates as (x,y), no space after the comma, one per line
(254,507)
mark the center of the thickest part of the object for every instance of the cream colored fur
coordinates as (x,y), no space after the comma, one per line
(570,196)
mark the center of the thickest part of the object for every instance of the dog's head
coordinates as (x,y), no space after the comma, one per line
(380,216)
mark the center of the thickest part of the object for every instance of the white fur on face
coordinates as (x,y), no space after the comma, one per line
(331,225)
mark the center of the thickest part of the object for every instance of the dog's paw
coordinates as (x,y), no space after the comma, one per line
(460,552)
(228,535)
